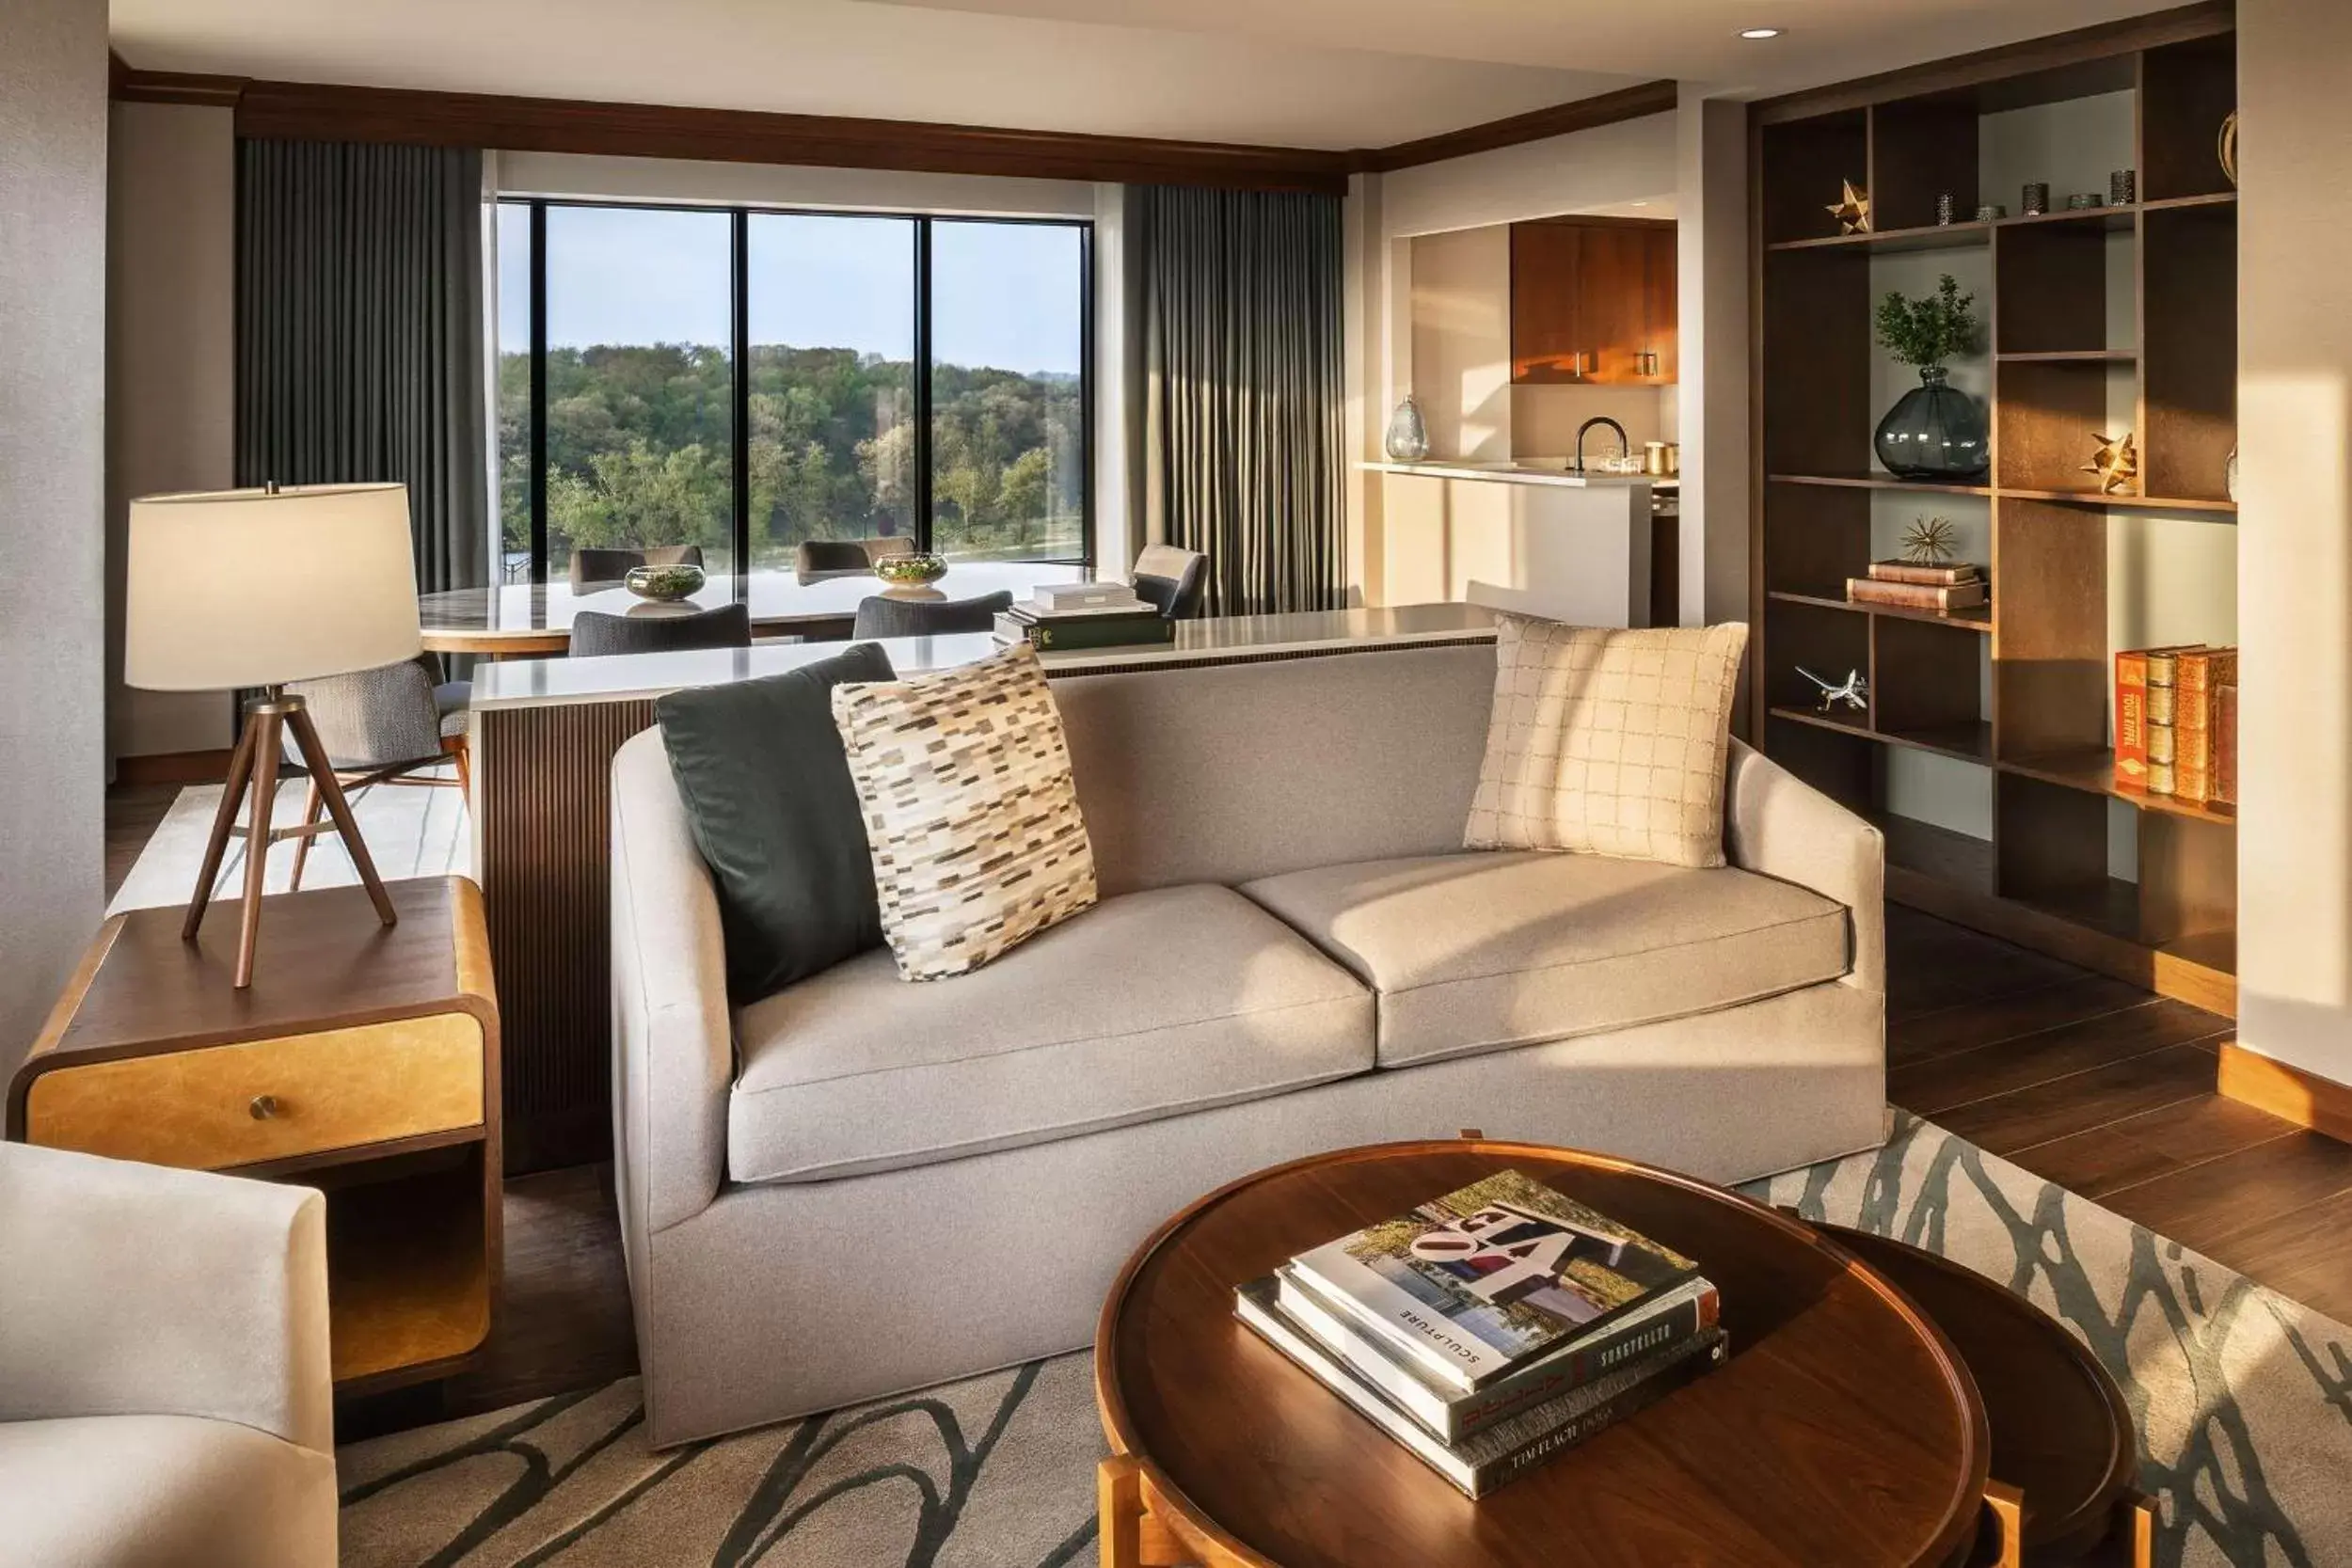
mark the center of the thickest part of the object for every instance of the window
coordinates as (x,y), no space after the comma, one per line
(746,380)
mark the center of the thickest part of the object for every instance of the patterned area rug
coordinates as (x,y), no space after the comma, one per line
(2243,1400)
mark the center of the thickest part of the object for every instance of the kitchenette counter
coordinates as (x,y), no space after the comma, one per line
(1517,473)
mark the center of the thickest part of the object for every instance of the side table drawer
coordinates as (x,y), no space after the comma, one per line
(256,1100)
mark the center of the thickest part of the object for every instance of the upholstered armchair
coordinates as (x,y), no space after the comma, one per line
(818,559)
(165,1396)
(1172,579)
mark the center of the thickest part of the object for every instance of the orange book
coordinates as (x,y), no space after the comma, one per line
(2131,718)
(2200,673)
(2225,745)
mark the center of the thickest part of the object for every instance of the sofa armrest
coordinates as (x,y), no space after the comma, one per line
(673,1035)
(1777,824)
(138,1290)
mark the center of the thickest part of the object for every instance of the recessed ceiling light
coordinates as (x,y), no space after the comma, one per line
(1760,33)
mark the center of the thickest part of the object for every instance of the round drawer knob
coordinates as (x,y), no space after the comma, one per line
(263,1107)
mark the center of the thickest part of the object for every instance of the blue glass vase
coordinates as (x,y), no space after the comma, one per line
(1935,432)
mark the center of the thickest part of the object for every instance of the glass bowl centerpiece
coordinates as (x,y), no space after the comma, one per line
(664,584)
(918,569)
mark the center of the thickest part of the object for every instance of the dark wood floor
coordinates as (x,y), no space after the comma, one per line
(2083,1080)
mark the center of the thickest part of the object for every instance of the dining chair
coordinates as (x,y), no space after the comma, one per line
(594,634)
(881,615)
(385,727)
(1171,580)
(599,565)
(818,559)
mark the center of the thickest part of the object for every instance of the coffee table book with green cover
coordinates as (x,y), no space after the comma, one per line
(1485,1460)
(1449,1413)
(1475,1285)
(1059,631)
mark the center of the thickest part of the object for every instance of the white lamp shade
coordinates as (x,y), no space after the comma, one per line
(261,587)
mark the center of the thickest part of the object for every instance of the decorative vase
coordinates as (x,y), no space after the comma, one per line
(916,570)
(1407,440)
(1935,432)
(663,584)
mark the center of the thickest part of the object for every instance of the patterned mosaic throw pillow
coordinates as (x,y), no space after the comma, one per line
(1608,742)
(974,823)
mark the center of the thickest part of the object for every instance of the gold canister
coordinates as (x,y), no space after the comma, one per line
(1662,459)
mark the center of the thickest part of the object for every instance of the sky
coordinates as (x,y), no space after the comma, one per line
(1005,295)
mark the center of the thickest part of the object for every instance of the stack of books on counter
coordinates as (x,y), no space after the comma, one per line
(2176,722)
(1912,586)
(1065,615)
(1492,1328)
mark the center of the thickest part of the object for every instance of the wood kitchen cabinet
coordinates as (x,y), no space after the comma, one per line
(1593,301)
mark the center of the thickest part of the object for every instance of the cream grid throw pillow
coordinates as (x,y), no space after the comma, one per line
(970,812)
(1608,742)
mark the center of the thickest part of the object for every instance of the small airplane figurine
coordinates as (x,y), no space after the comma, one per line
(1854,693)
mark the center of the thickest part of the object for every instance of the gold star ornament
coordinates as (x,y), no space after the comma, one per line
(2116,463)
(1853,212)
(1928,542)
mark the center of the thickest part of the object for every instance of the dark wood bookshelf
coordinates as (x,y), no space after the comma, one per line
(2019,689)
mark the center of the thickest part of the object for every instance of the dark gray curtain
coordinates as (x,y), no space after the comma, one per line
(1239,447)
(359,333)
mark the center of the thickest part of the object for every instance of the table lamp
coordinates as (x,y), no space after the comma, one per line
(256,588)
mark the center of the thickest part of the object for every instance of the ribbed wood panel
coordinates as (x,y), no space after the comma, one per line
(545,778)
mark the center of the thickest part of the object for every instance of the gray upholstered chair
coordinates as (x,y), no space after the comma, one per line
(166,1391)
(818,559)
(387,726)
(596,565)
(594,634)
(882,616)
(1172,579)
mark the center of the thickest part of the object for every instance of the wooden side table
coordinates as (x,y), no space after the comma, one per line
(363,1060)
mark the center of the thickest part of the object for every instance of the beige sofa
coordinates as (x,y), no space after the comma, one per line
(859,1186)
(165,1392)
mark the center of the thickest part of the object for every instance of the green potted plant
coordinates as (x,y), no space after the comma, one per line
(1934,431)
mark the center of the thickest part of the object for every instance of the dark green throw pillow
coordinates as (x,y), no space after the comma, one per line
(766,789)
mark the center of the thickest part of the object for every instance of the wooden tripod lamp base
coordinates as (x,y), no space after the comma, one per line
(269,721)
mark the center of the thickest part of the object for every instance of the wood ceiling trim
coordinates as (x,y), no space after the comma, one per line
(2056,52)
(328,112)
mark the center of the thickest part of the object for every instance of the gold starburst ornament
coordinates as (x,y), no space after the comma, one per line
(1853,212)
(2116,463)
(1928,542)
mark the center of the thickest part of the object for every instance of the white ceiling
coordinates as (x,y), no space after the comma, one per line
(1326,73)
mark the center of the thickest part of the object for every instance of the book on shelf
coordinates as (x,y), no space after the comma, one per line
(1448,1413)
(1509,1449)
(1475,1284)
(1933,577)
(1915,595)
(2199,676)
(2225,745)
(1060,633)
(2145,704)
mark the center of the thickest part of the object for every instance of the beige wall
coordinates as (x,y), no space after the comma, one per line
(2295,536)
(170,367)
(53,410)
(1460,315)
(1631,161)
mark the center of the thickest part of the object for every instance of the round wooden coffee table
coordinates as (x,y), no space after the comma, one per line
(1844,1429)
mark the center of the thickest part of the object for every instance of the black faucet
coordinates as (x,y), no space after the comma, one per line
(1625,443)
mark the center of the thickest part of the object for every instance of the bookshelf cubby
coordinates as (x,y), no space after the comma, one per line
(1983,751)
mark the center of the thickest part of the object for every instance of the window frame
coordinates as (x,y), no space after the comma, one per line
(738,218)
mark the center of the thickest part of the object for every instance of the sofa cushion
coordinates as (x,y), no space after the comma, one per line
(766,791)
(1480,951)
(1608,741)
(1144,1007)
(972,820)
(161,1492)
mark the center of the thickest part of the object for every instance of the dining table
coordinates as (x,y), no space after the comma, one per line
(533,619)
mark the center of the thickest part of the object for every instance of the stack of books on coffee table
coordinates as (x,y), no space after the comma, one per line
(1066,615)
(1494,1328)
